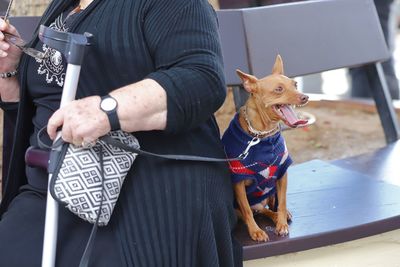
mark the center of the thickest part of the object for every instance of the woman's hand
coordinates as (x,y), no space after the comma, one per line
(142,106)
(9,59)
(9,54)
(82,121)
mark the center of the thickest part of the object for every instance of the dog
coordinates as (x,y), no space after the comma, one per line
(260,180)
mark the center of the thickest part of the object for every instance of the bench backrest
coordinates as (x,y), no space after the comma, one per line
(3,7)
(311,36)
(26,25)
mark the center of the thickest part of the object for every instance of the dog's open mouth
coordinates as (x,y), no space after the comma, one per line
(289,116)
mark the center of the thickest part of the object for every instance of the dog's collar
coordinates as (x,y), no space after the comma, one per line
(258,133)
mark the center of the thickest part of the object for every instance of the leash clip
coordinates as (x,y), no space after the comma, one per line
(251,143)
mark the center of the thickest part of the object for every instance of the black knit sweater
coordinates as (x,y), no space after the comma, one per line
(163,40)
(174,42)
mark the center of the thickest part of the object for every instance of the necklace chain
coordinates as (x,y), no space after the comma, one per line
(257,132)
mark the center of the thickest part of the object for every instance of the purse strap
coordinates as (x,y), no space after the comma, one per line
(84,262)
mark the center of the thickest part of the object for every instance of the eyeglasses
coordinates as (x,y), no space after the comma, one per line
(21,44)
(18,42)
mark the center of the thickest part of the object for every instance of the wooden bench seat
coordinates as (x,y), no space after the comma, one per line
(331,204)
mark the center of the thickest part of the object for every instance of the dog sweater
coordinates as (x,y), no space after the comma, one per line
(265,164)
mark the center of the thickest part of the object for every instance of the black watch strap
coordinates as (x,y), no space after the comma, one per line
(114,121)
(111,114)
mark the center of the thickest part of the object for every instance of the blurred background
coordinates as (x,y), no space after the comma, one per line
(25,7)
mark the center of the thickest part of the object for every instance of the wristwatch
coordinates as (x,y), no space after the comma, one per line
(109,105)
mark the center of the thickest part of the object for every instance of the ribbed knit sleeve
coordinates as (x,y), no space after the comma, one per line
(182,35)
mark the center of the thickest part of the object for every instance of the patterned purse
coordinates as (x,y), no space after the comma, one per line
(88,181)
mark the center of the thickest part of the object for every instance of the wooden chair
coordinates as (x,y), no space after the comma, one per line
(335,201)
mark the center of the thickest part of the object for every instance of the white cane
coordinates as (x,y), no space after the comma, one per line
(73,47)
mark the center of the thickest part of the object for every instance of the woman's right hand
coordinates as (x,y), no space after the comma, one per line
(9,54)
(9,60)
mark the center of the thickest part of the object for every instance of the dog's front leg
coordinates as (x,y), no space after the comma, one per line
(255,232)
(282,227)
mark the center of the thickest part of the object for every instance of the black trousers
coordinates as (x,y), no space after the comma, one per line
(22,228)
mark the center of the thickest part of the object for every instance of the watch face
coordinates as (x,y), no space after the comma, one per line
(108,104)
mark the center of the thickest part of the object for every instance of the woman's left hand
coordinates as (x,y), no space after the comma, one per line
(82,121)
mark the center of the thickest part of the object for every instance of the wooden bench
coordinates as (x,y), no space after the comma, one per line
(337,201)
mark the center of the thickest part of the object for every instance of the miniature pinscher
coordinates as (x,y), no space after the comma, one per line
(260,180)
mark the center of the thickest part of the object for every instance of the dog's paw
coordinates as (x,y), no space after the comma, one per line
(258,235)
(282,229)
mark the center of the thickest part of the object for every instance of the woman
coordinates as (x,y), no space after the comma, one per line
(160,62)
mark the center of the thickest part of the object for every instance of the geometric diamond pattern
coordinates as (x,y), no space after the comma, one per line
(78,183)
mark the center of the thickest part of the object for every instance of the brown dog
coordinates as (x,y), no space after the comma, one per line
(260,180)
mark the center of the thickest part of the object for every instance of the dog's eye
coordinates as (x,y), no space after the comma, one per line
(279,89)
(295,84)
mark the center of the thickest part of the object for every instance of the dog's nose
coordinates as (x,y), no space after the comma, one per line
(304,99)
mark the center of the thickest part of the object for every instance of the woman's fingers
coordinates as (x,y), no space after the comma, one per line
(4,46)
(7,27)
(82,121)
(3,25)
(54,123)
(5,51)
(68,134)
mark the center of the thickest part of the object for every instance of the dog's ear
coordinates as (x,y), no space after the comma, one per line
(278,66)
(248,81)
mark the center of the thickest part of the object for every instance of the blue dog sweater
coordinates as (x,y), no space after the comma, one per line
(266,163)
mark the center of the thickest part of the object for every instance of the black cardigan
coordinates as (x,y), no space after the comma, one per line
(173,42)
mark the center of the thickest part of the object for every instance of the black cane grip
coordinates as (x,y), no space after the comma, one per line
(71,45)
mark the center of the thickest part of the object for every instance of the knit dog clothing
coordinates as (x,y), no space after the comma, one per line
(266,162)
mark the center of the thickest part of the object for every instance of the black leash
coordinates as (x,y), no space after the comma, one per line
(109,140)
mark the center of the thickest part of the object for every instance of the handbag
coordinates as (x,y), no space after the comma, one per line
(87,181)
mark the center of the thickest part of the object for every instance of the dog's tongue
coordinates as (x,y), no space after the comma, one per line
(291,116)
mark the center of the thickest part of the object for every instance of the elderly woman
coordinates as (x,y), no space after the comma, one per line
(159,63)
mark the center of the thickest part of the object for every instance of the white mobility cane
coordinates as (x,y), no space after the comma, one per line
(73,47)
